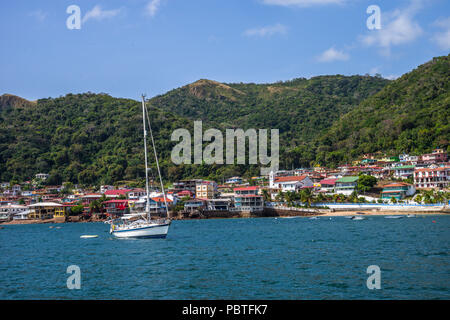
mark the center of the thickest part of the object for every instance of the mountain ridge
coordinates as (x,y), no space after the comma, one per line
(328,120)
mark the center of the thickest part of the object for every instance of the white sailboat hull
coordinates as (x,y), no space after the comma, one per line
(150,231)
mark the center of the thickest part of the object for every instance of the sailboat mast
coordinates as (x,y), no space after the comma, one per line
(157,164)
(147,207)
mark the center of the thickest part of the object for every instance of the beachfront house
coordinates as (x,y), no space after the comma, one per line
(328,185)
(116,207)
(10,211)
(397,190)
(46,210)
(346,185)
(194,204)
(218,204)
(289,183)
(248,199)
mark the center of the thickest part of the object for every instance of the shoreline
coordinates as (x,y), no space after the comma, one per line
(382,213)
(318,214)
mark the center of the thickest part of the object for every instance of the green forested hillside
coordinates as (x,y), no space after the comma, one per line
(411,114)
(301,109)
(95,138)
(88,138)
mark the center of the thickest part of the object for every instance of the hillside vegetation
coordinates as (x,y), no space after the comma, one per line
(411,114)
(97,139)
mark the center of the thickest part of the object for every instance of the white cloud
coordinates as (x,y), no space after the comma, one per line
(39,15)
(443,38)
(98,14)
(301,3)
(266,31)
(333,55)
(374,70)
(398,27)
(152,7)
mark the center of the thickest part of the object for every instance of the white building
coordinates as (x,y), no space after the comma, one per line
(234,180)
(436,178)
(289,183)
(9,212)
(403,172)
(105,188)
(42,176)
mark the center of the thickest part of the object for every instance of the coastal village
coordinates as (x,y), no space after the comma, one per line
(375,182)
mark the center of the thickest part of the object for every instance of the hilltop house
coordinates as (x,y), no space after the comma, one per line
(42,176)
(234,180)
(438,155)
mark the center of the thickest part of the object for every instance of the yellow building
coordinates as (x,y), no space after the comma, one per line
(46,210)
(204,190)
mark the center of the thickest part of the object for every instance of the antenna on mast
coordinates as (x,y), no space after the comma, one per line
(147,207)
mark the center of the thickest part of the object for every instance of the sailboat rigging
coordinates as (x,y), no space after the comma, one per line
(145,227)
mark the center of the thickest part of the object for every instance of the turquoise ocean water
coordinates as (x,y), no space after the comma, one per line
(263,258)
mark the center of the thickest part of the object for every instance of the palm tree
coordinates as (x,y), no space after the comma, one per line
(306,196)
(95,206)
(280,196)
(266,195)
(428,196)
(418,198)
(439,197)
(290,197)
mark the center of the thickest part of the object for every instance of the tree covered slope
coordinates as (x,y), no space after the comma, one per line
(411,114)
(95,138)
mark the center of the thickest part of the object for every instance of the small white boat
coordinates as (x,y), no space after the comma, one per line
(393,217)
(313,218)
(89,236)
(410,215)
(358,218)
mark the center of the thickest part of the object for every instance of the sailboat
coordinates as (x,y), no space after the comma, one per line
(140,225)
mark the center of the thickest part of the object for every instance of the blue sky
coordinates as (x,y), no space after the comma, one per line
(125,48)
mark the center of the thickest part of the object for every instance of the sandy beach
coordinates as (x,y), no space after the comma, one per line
(382,213)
